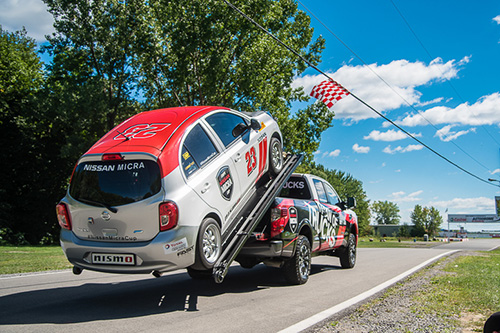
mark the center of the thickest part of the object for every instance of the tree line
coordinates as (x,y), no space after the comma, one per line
(111,59)
(426,220)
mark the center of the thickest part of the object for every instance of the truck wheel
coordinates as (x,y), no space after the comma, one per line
(297,268)
(275,157)
(208,245)
(348,255)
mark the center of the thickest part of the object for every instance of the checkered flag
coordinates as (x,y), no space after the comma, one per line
(329,92)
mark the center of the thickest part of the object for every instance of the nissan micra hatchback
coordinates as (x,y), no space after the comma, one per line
(158,191)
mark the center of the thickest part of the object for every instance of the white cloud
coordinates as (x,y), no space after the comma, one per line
(32,14)
(334,153)
(497,19)
(402,75)
(434,101)
(399,149)
(496,171)
(403,197)
(360,149)
(486,111)
(466,205)
(390,135)
(446,134)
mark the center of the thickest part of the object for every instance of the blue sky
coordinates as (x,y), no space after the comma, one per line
(441,57)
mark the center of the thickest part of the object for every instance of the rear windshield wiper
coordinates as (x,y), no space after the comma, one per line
(97,203)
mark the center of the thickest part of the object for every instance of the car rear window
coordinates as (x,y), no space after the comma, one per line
(296,188)
(115,183)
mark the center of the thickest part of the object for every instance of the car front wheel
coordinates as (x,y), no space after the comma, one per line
(275,157)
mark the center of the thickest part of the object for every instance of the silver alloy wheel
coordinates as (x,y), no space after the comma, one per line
(276,155)
(304,261)
(211,243)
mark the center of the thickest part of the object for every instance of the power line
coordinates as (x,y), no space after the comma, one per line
(353,95)
(387,84)
(449,82)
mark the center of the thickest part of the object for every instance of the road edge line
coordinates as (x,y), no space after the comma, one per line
(308,322)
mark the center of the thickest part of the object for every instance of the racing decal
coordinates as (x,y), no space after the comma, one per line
(295,184)
(251,159)
(262,126)
(141,131)
(99,167)
(225,182)
(176,246)
(185,251)
(262,153)
(293,219)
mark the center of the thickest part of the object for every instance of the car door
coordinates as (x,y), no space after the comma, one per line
(245,148)
(209,172)
(338,215)
(327,217)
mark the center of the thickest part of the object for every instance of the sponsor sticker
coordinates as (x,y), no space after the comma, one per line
(225,182)
(176,246)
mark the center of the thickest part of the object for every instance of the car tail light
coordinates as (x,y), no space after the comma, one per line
(279,219)
(112,157)
(169,215)
(63,216)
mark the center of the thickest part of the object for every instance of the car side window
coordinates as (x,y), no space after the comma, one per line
(318,184)
(332,196)
(197,150)
(223,124)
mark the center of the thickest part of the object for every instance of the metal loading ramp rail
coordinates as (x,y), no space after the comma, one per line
(249,217)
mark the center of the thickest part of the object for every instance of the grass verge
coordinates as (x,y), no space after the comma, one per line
(469,289)
(24,259)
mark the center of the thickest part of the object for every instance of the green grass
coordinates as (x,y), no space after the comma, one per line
(23,259)
(393,242)
(469,289)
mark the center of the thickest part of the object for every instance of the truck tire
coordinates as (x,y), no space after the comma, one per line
(348,255)
(208,245)
(296,270)
(275,157)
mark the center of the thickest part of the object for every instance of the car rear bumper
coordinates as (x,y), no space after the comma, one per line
(169,250)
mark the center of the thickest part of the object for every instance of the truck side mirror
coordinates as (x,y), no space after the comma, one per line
(351,202)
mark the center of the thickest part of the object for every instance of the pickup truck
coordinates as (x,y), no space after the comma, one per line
(306,219)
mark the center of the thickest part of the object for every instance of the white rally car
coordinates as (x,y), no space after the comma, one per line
(158,191)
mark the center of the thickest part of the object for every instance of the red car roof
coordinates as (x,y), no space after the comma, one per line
(150,131)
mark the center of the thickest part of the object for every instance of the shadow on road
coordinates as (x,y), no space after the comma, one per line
(108,301)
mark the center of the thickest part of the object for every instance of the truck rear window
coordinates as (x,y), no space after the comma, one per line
(296,188)
(115,183)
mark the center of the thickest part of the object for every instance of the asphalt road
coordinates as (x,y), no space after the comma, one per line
(256,300)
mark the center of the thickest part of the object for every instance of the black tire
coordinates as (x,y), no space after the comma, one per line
(275,157)
(348,255)
(199,274)
(208,245)
(297,269)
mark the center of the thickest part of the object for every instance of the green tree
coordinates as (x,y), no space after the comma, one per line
(426,220)
(346,186)
(386,212)
(29,161)
(203,52)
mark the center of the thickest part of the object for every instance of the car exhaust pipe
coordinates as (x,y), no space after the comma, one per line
(77,270)
(157,274)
